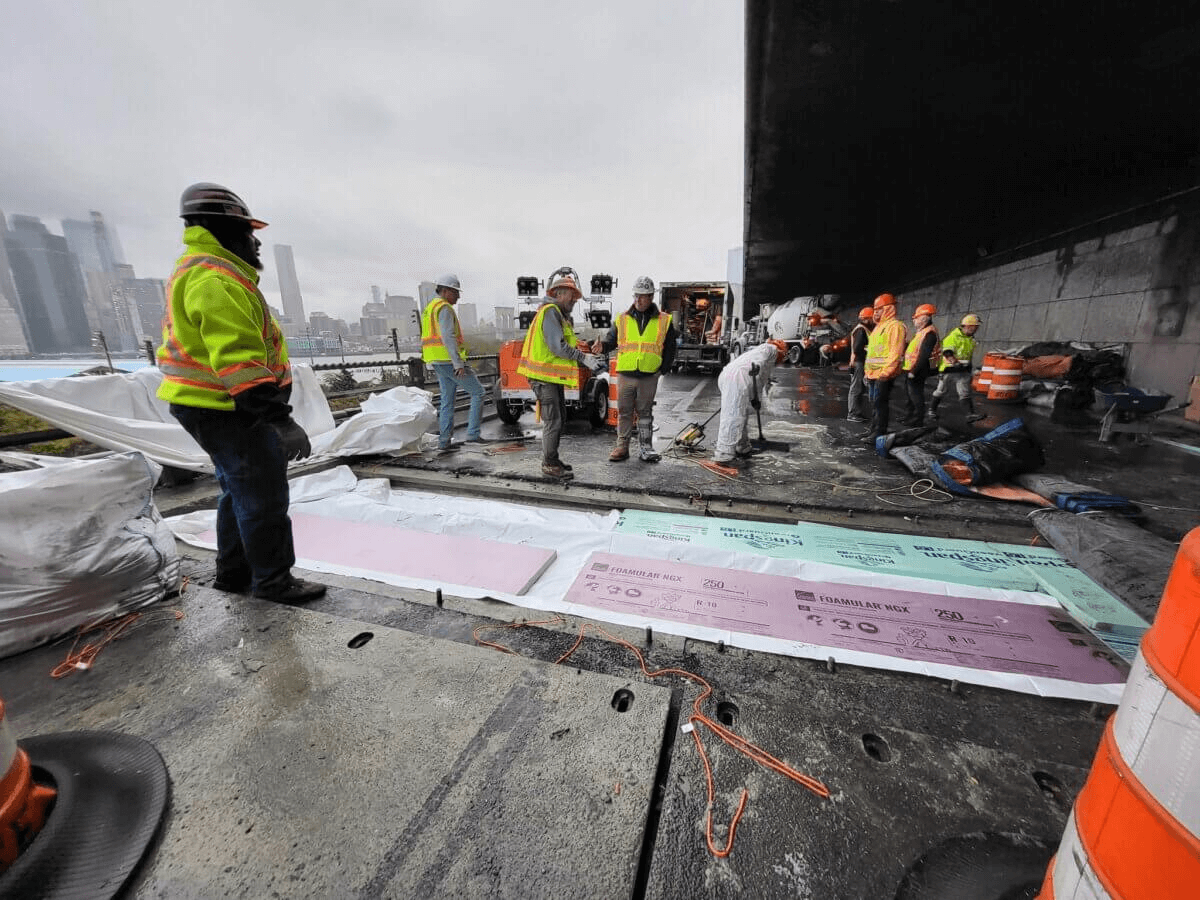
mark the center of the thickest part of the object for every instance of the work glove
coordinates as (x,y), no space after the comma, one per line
(294,440)
(593,362)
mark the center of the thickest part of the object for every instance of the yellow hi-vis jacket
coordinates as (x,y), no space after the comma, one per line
(641,351)
(964,348)
(885,347)
(538,362)
(432,348)
(219,337)
(911,353)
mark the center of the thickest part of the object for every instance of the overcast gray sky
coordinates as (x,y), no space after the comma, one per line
(388,142)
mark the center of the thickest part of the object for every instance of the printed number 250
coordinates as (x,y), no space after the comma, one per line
(713,583)
(949,614)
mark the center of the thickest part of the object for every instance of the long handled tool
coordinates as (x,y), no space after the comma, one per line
(761,443)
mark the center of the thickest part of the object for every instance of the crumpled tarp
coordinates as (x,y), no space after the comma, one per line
(1003,452)
(81,543)
(122,412)
(1128,561)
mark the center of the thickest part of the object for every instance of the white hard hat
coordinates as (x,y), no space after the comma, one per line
(449,281)
(644,285)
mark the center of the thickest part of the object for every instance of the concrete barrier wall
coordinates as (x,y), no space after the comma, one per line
(1139,286)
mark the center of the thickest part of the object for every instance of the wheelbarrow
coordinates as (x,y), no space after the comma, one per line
(1131,411)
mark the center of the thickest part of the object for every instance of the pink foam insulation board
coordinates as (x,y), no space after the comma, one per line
(374,547)
(991,635)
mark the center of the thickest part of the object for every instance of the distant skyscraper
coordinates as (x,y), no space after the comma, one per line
(93,243)
(425,292)
(50,287)
(13,341)
(403,316)
(289,284)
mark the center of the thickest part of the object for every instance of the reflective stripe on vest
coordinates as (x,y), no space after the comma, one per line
(432,347)
(181,367)
(640,351)
(538,362)
(914,346)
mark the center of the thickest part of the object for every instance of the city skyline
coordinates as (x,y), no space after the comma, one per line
(449,140)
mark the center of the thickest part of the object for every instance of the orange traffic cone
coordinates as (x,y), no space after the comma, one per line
(1134,833)
(24,804)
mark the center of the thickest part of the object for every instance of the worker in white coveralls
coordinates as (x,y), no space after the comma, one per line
(743,382)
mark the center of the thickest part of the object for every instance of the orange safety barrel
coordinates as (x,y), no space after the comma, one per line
(1005,380)
(1135,831)
(984,379)
(24,804)
(611,418)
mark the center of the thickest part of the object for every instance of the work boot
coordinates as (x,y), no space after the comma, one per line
(933,407)
(646,452)
(621,451)
(557,470)
(292,590)
(972,414)
(733,463)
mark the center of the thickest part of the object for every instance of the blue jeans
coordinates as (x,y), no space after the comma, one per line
(254,533)
(448,385)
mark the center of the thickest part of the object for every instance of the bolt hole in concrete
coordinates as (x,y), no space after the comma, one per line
(877,748)
(727,713)
(622,700)
(360,640)
(1052,788)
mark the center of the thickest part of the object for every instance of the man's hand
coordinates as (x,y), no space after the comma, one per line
(593,362)
(755,401)
(294,440)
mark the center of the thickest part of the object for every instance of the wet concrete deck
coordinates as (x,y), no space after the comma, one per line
(241,687)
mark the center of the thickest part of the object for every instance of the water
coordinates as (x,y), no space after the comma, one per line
(37,369)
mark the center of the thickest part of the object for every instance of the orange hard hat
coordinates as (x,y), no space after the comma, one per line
(925,309)
(702,303)
(866,312)
(781,349)
(884,300)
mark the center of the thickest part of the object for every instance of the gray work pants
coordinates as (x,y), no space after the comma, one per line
(552,400)
(858,391)
(634,394)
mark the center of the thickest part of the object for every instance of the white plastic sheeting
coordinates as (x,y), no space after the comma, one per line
(122,412)
(80,542)
(338,494)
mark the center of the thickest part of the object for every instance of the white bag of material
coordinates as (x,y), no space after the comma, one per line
(80,542)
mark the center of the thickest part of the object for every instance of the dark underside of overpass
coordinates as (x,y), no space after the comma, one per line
(894,141)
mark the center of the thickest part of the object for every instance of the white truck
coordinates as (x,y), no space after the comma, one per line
(701,312)
(799,319)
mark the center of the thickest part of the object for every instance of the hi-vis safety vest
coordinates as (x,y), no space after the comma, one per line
(884,349)
(963,347)
(914,348)
(219,337)
(641,351)
(537,362)
(432,348)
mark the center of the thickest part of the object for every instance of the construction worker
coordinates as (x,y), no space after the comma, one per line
(227,379)
(644,338)
(858,357)
(550,360)
(443,347)
(955,367)
(921,357)
(885,359)
(742,382)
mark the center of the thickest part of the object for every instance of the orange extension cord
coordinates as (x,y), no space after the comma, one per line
(697,718)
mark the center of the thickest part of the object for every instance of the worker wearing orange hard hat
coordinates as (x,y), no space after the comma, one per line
(955,367)
(921,357)
(742,382)
(859,335)
(885,360)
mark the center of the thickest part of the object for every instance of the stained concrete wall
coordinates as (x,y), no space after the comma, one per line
(1138,285)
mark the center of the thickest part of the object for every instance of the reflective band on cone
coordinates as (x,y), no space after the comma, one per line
(1071,876)
(24,804)
(1006,377)
(1172,646)
(985,374)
